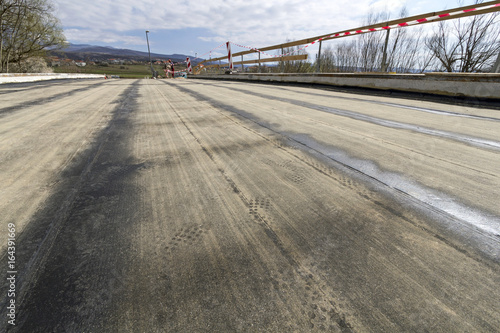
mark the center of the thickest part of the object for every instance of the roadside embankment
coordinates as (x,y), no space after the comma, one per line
(469,85)
(31,77)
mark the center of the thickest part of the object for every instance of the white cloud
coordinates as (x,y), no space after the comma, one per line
(255,20)
(94,35)
(256,23)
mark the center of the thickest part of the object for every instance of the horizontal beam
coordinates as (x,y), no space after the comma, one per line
(276,59)
(256,61)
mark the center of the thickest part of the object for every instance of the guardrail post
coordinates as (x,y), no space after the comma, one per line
(383,66)
(282,63)
(319,58)
(259,63)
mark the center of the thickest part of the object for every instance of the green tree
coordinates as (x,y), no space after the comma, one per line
(27,29)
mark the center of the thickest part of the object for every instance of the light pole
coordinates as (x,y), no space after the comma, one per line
(149,52)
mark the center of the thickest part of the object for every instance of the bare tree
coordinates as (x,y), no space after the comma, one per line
(370,46)
(326,60)
(467,44)
(365,53)
(404,52)
(347,56)
(295,66)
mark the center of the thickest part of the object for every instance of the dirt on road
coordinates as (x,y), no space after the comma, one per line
(207,206)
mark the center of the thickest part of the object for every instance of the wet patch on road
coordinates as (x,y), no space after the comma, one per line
(473,141)
(396,105)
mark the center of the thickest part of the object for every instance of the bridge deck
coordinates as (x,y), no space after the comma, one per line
(195,206)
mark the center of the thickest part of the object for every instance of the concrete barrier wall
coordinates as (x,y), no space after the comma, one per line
(31,77)
(484,86)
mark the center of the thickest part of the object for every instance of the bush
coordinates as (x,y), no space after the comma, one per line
(31,65)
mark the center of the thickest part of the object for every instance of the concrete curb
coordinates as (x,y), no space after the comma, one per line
(470,85)
(32,77)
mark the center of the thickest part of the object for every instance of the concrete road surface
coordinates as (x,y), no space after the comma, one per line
(210,206)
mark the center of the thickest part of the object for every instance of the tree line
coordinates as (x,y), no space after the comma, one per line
(27,29)
(469,44)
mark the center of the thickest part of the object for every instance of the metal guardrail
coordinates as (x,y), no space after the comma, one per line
(437,16)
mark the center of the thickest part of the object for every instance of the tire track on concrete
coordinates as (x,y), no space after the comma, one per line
(36,260)
(35,152)
(37,117)
(36,157)
(253,204)
(40,101)
(360,239)
(208,265)
(248,202)
(466,223)
(7,88)
(233,241)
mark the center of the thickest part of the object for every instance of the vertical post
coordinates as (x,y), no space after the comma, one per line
(259,63)
(319,57)
(496,67)
(149,52)
(242,66)
(229,56)
(383,66)
(282,65)
(218,69)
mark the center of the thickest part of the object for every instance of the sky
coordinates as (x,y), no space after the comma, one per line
(195,27)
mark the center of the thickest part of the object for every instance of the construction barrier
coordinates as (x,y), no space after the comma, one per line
(477,9)
(229,56)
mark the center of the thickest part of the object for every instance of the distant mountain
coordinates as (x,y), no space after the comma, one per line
(99,53)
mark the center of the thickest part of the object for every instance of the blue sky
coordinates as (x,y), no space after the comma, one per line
(195,27)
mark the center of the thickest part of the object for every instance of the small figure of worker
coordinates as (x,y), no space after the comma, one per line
(166,68)
(171,64)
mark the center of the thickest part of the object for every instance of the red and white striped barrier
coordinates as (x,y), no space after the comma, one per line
(395,26)
(229,55)
(215,48)
(189,68)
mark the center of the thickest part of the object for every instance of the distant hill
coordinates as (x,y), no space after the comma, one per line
(99,53)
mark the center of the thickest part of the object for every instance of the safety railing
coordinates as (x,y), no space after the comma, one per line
(476,9)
